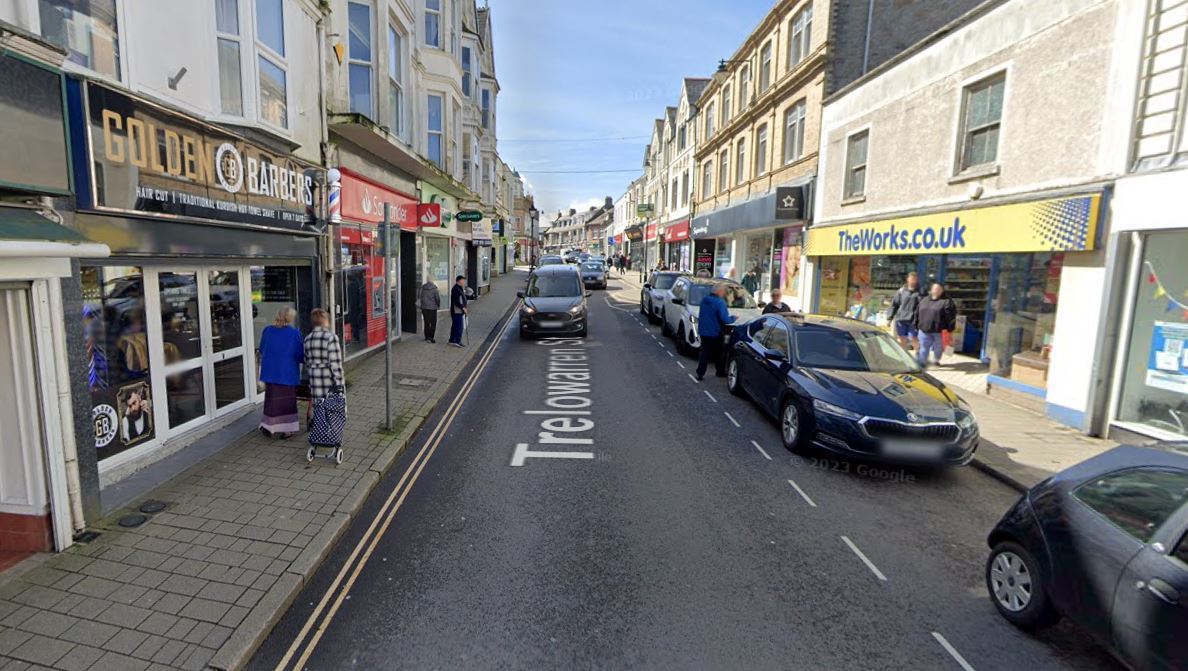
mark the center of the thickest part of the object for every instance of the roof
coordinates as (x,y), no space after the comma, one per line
(694,87)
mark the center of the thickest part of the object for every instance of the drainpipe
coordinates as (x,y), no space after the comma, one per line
(329,245)
(66,410)
(866,45)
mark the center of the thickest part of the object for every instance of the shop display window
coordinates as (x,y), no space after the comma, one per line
(723,263)
(117,352)
(1155,380)
(967,282)
(756,263)
(273,288)
(872,284)
(1023,317)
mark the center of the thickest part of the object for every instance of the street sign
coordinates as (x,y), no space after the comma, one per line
(643,208)
(469,215)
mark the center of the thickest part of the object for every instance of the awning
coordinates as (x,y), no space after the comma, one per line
(651,232)
(28,234)
(677,232)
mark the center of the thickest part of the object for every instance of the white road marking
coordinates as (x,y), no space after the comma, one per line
(556,412)
(869,564)
(796,487)
(761,450)
(647,331)
(653,337)
(522,452)
(691,376)
(711,396)
(671,354)
(952,651)
(678,363)
(733,420)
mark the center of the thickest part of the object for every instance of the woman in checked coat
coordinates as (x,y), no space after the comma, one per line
(323,356)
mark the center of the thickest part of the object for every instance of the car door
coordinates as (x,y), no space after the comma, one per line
(749,353)
(1150,613)
(680,290)
(772,365)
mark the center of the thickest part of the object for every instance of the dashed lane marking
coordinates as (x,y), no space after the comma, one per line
(761,450)
(691,376)
(670,354)
(733,420)
(679,363)
(795,486)
(711,396)
(952,651)
(869,564)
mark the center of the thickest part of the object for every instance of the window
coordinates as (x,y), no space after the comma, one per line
(673,194)
(874,351)
(801,35)
(765,67)
(435,144)
(433,23)
(740,163)
(1137,501)
(395,82)
(359,58)
(681,138)
(856,165)
(794,132)
(270,42)
(723,170)
(486,105)
(727,103)
(744,86)
(980,122)
(685,188)
(709,120)
(86,30)
(777,339)
(1181,551)
(466,71)
(456,138)
(761,151)
(230,64)
(707,179)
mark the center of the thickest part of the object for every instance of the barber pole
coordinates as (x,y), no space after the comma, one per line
(334,200)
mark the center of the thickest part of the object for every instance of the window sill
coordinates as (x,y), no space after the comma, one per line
(974,173)
(853,200)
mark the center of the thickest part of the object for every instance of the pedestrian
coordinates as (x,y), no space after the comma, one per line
(776,304)
(712,317)
(323,356)
(281,353)
(430,304)
(457,310)
(935,314)
(903,310)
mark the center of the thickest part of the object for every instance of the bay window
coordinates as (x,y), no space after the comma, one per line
(230,57)
(435,125)
(433,23)
(359,58)
(270,46)
(395,82)
(86,30)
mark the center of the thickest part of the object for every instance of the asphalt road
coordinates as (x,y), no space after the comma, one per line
(678,544)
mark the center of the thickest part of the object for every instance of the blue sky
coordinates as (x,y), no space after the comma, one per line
(572,69)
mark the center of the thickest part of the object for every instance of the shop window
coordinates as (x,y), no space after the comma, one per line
(117,351)
(1155,381)
(273,288)
(723,263)
(872,284)
(756,263)
(229,54)
(1022,315)
(981,118)
(856,164)
(359,58)
(86,30)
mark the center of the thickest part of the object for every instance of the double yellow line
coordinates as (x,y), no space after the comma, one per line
(319,620)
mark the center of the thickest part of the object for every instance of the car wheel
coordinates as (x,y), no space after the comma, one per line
(665,329)
(682,345)
(732,381)
(795,426)
(1017,587)
(642,309)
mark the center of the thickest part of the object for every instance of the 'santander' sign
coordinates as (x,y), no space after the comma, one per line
(151,160)
(1057,225)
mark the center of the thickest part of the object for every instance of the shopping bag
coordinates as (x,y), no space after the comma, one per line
(947,341)
(329,420)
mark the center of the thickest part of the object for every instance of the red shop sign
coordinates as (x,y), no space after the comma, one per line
(677,232)
(650,233)
(429,215)
(363,201)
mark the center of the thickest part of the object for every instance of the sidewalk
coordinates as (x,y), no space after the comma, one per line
(201,583)
(1019,447)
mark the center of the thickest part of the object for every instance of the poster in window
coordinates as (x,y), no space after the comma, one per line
(134,405)
(1167,365)
(378,304)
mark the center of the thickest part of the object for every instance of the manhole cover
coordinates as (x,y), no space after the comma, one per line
(410,382)
(132,520)
(152,506)
(86,537)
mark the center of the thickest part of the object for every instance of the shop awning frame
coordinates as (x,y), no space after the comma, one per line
(28,234)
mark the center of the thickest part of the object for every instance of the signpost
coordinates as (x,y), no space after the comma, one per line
(643,210)
(386,234)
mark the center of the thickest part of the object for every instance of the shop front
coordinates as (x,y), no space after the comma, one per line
(634,236)
(678,247)
(481,256)
(1003,266)
(651,246)
(210,235)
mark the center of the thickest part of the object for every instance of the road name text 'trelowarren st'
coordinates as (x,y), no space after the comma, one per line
(566,424)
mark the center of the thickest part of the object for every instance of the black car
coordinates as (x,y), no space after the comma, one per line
(554,303)
(593,274)
(849,388)
(1105,544)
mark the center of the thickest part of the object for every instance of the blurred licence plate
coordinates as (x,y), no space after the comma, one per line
(912,449)
(550,325)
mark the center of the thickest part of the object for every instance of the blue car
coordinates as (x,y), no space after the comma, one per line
(849,388)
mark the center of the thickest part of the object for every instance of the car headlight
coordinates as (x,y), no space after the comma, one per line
(966,421)
(528,310)
(575,310)
(835,410)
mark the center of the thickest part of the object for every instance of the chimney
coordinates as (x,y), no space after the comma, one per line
(572,211)
(610,203)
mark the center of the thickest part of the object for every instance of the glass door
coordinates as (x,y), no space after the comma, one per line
(227,367)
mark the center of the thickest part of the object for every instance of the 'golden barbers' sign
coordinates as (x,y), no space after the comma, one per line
(147,159)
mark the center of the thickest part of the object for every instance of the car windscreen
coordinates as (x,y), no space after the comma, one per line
(698,292)
(737,296)
(664,282)
(553,285)
(870,351)
(592,266)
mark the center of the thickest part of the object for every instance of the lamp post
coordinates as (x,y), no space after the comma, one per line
(533,219)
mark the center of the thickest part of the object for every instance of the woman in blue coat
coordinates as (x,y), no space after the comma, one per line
(281,354)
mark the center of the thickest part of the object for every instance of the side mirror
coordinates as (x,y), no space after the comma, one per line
(774,355)
(519,294)
(678,301)
(647,285)
(589,294)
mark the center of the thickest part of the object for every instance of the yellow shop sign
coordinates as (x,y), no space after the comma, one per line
(1057,225)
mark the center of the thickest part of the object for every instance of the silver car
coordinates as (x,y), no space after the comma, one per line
(656,293)
(681,310)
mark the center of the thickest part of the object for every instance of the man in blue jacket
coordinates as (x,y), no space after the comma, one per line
(712,319)
(457,310)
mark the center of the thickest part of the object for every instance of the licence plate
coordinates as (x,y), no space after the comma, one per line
(550,325)
(912,449)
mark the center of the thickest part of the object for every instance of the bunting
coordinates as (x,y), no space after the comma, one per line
(1161,292)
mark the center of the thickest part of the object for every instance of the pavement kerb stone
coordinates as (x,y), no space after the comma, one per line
(999,475)
(244,640)
(367,482)
(388,457)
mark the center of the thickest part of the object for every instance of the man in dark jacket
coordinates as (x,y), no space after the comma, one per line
(935,314)
(457,310)
(430,304)
(777,303)
(712,318)
(903,310)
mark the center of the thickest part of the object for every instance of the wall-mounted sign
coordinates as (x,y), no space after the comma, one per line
(151,160)
(363,201)
(789,202)
(469,215)
(429,215)
(34,132)
(643,209)
(480,233)
(677,232)
(634,233)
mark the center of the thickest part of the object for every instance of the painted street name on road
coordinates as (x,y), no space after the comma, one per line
(567,420)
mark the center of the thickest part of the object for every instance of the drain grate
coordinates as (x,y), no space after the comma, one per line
(86,536)
(152,506)
(129,521)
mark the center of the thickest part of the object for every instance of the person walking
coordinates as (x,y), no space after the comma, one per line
(935,314)
(776,304)
(903,310)
(323,356)
(430,303)
(712,317)
(457,310)
(281,353)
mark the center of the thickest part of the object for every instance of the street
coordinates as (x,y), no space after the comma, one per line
(646,520)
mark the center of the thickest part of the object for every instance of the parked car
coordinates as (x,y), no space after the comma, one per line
(849,388)
(1104,544)
(554,303)
(571,256)
(655,294)
(551,259)
(680,310)
(593,274)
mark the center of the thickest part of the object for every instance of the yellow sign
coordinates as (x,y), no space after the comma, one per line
(1057,225)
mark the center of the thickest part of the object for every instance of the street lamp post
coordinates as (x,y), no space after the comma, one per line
(533,219)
